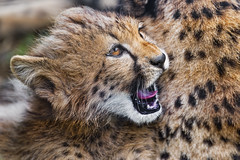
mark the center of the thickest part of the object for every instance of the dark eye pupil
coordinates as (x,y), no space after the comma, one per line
(116,49)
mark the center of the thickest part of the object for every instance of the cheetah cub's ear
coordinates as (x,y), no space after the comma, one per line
(39,74)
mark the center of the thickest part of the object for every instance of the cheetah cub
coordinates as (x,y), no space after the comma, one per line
(93,72)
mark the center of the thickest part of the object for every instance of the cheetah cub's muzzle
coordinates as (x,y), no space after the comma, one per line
(145,100)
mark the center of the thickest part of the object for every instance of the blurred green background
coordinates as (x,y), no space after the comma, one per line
(23,21)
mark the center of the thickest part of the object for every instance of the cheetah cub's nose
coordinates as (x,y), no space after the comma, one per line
(160,61)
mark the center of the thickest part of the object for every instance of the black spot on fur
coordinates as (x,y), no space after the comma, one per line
(224,139)
(138,150)
(202,54)
(189,1)
(95,89)
(182,35)
(224,4)
(216,108)
(229,61)
(188,56)
(198,34)
(208,142)
(192,100)
(236,31)
(112,87)
(184,157)
(178,102)
(78,155)
(65,144)
(195,15)
(102,94)
(202,94)
(165,32)
(220,68)
(209,158)
(76,145)
(206,125)
(236,157)
(186,136)
(176,15)
(207,13)
(66,152)
(211,87)
(218,123)
(228,106)
(189,123)
(233,37)
(219,29)
(165,155)
(217,43)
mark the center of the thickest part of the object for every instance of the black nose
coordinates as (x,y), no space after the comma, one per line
(158,61)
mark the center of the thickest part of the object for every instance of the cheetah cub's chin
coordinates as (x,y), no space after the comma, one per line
(93,66)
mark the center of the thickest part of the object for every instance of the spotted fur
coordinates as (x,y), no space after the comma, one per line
(203,39)
(77,94)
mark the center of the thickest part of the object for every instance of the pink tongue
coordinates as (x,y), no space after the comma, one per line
(146,94)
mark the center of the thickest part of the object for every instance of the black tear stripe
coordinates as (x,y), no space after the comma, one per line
(137,82)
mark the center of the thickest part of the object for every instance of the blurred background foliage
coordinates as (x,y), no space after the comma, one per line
(23,21)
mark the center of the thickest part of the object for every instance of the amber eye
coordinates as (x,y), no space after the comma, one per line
(116,51)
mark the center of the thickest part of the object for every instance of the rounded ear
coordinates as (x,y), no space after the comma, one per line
(25,68)
(35,72)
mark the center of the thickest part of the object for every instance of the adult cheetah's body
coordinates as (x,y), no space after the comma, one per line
(201,91)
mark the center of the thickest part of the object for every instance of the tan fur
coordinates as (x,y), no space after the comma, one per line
(203,130)
(72,78)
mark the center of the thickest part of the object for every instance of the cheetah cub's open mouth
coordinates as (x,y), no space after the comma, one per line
(145,100)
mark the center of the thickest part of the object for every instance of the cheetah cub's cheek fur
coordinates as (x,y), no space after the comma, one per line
(115,76)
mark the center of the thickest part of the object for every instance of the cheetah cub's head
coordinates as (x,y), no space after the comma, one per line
(94,66)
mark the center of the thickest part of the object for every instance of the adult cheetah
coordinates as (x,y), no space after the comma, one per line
(201,90)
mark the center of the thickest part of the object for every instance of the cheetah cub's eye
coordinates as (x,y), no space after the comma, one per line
(116,51)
